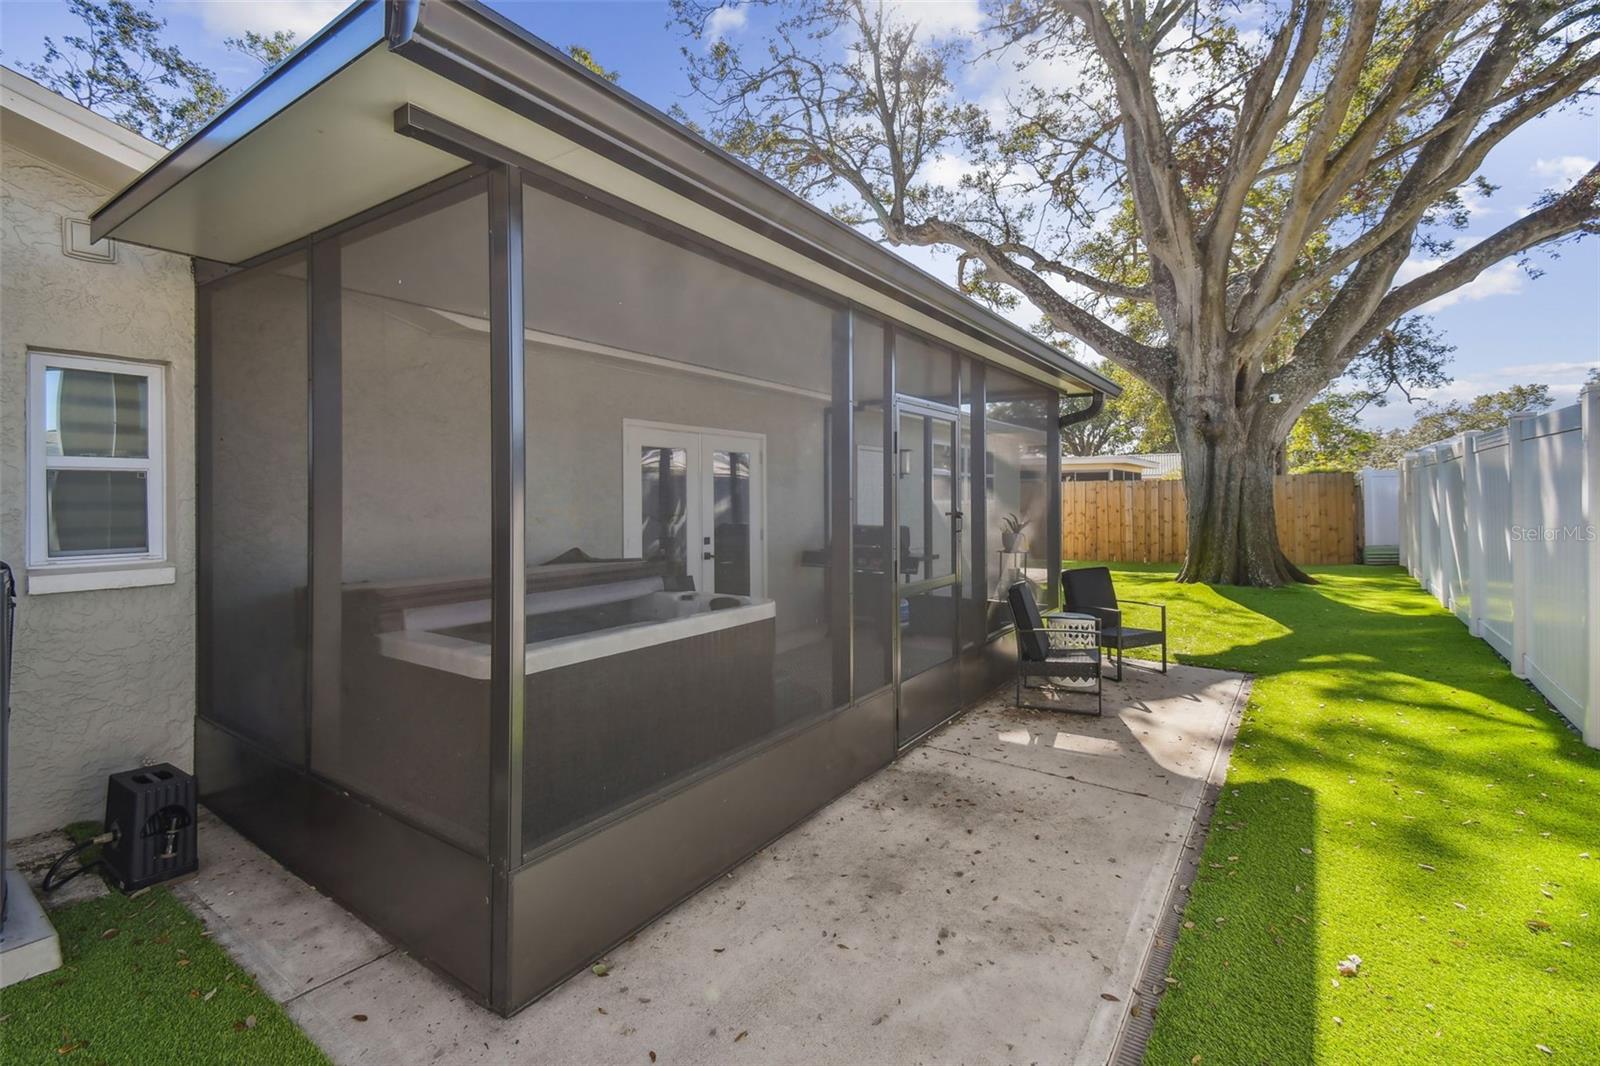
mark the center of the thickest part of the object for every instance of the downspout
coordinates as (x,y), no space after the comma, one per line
(403,15)
(1072,418)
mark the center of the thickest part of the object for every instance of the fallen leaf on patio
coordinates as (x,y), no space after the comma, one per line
(1537,925)
(742,1034)
(652,1056)
(1109,997)
(599,969)
(358,1017)
(842,947)
(1350,965)
(600,1010)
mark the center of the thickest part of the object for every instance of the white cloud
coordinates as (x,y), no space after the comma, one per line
(1502,279)
(229,18)
(946,170)
(1564,379)
(937,18)
(725,20)
(1564,170)
(1474,202)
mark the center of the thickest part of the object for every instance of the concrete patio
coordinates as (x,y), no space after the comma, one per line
(993,896)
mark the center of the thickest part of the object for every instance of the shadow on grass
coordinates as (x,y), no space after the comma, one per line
(1252,918)
(1454,828)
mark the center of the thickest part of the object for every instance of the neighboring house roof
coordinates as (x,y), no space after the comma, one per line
(1107,462)
(67,134)
(317,141)
(1150,465)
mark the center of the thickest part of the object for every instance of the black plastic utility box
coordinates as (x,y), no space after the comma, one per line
(152,811)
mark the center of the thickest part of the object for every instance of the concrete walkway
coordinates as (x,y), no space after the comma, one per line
(989,898)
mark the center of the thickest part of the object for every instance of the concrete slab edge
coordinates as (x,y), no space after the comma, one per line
(29,946)
(1139,1013)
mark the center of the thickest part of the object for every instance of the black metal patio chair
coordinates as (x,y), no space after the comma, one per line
(1062,647)
(1088,590)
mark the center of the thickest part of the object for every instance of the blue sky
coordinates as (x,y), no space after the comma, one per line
(1507,327)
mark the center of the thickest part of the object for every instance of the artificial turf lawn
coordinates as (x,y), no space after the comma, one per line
(142,984)
(1396,794)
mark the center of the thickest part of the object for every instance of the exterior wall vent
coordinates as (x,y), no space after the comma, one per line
(75,242)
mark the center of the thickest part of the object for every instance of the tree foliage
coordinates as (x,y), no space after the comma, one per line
(1328,436)
(585,58)
(119,66)
(1215,197)
(1439,422)
(268,49)
(1136,421)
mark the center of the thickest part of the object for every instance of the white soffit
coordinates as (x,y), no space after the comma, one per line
(335,153)
(69,135)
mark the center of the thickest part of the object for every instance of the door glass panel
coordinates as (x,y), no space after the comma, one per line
(730,495)
(913,515)
(941,489)
(664,505)
(928,604)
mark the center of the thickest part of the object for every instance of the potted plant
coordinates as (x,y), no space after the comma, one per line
(1011,538)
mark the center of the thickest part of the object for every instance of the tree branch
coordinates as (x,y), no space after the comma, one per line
(1152,365)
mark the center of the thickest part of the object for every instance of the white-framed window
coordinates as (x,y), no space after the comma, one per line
(96,462)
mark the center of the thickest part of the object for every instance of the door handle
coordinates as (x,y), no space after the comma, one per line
(706,555)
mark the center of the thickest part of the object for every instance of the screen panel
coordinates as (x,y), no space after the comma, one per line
(253,506)
(409,730)
(1017,417)
(678,422)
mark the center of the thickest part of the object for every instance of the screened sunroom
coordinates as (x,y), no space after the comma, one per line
(578,509)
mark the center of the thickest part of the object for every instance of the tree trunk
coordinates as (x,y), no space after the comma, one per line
(1228,467)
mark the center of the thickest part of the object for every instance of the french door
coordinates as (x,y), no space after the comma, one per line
(929,477)
(696,498)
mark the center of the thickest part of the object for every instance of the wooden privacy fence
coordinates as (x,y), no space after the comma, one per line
(1319,520)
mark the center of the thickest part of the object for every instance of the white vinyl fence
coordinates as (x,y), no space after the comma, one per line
(1380,516)
(1502,528)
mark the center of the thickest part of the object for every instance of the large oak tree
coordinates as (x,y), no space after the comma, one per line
(1216,197)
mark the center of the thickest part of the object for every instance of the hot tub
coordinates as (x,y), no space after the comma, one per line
(568,626)
(630,686)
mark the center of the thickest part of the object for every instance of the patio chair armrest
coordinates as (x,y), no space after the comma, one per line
(1105,617)
(1158,606)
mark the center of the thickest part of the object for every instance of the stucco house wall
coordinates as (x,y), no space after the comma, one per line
(103,679)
